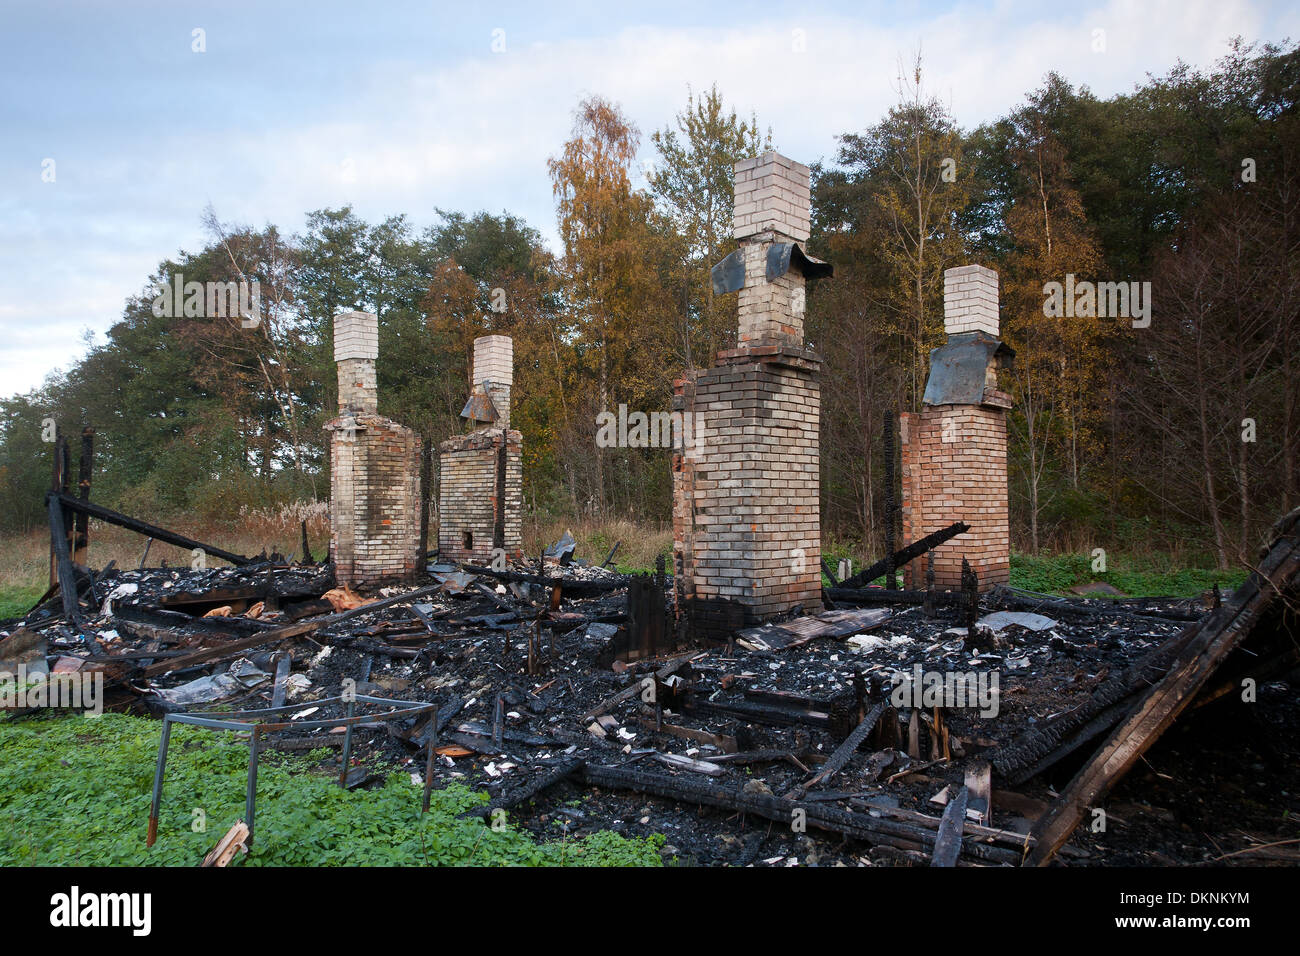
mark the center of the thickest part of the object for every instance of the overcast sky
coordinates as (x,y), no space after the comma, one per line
(404,107)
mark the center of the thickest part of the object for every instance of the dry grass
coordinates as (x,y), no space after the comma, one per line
(24,559)
(642,542)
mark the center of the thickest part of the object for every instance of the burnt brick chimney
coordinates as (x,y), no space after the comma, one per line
(480,495)
(374,469)
(746,516)
(954,450)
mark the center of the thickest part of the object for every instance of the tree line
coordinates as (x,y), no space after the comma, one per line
(1180,432)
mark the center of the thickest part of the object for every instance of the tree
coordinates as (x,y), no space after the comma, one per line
(912,166)
(1058,355)
(694,183)
(610,281)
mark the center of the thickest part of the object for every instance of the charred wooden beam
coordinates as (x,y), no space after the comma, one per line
(281,633)
(148,530)
(831,819)
(867,595)
(1035,751)
(830,575)
(426,492)
(891,563)
(572,586)
(771,715)
(910,553)
(1013,599)
(841,755)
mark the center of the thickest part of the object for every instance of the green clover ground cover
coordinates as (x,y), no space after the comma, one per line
(75,790)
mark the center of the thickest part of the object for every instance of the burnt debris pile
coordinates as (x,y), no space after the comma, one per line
(921,727)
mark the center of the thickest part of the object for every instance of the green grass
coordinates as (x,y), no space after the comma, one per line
(76,790)
(18,600)
(1136,576)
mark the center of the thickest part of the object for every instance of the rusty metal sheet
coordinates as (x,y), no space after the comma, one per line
(479,408)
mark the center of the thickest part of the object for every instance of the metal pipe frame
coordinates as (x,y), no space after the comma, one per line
(250,720)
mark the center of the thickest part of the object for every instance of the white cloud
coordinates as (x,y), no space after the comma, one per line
(476,132)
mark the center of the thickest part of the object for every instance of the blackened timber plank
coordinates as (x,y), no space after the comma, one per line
(778,809)
(947,844)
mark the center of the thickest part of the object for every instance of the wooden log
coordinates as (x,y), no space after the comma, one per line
(831,819)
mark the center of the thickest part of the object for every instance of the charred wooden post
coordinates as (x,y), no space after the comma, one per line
(890,580)
(647,622)
(64,572)
(85,470)
(612,551)
(970,587)
(929,584)
(58,485)
(426,483)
